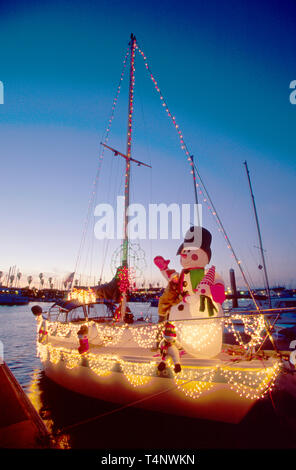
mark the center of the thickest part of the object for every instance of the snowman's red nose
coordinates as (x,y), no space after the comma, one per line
(183,255)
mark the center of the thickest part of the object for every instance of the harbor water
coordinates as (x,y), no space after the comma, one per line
(78,422)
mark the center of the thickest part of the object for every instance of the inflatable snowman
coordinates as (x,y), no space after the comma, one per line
(194,296)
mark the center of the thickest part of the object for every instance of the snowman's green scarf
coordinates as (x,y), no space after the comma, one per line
(196,275)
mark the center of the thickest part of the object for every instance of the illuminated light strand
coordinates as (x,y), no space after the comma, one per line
(126,276)
(83,296)
(102,365)
(250,391)
(110,335)
(62,329)
(248,384)
(252,326)
(200,336)
(200,186)
(193,383)
(138,374)
(146,337)
(101,157)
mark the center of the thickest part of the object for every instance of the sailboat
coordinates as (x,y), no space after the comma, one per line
(90,344)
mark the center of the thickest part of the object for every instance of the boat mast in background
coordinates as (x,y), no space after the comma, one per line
(195,190)
(259,234)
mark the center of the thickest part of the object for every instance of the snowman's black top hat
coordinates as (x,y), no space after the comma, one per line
(197,237)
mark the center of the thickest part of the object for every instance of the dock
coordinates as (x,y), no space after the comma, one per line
(20,425)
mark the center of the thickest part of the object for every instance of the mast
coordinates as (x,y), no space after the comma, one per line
(128,149)
(132,45)
(259,235)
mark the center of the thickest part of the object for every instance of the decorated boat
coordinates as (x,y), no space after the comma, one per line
(173,358)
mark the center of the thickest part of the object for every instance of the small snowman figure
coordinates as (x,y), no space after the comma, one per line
(194,293)
(83,339)
(168,348)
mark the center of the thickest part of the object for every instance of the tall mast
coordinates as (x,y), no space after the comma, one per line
(127,166)
(128,149)
(259,235)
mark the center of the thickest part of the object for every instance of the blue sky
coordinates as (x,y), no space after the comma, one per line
(224,69)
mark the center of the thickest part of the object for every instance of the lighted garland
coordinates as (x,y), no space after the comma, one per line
(259,383)
(138,374)
(193,383)
(253,327)
(247,383)
(145,336)
(110,335)
(126,278)
(102,365)
(83,296)
(62,329)
(198,335)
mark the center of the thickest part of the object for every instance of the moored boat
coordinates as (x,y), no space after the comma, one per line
(99,349)
(12,296)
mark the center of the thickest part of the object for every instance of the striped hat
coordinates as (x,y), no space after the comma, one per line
(209,278)
(169,330)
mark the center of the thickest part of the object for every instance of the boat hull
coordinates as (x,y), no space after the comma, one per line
(218,403)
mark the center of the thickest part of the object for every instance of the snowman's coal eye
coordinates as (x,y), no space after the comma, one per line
(194,257)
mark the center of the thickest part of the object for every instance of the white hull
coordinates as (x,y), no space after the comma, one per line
(219,403)
(211,389)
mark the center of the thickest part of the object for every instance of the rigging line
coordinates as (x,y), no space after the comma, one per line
(151,170)
(255,261)
(227,238)
(193,166)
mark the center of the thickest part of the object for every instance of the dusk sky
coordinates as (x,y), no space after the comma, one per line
(224,68)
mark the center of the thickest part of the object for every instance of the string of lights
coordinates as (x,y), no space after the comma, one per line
(201,189)
(250,384)
(201,334)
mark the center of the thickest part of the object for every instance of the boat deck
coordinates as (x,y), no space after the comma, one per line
(129,351)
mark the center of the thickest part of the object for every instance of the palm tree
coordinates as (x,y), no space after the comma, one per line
(29,279)
(19,275)
(41,277)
